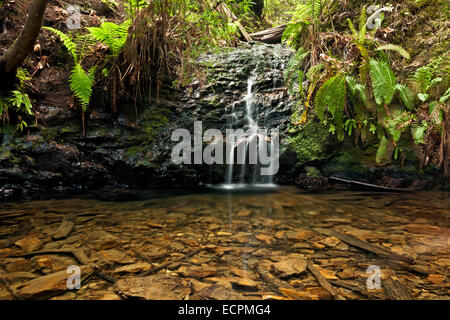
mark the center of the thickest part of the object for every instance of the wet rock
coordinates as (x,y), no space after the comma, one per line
(154,287)
(436,278)
(18,264)
(113,256)
(5,294)
(197,272)
(133,268)
(29,244)
(298,294)
(427,229)
(289,267)
(218,292)
(198,285)
(103,240)
(51,263)
(66,296)
(244,284)
(50,285)
(346,274)
(18,276)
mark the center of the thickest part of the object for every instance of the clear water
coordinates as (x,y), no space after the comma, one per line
(244,228)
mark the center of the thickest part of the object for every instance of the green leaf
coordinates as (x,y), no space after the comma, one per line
(419,132)
(383,82)
(445,97)
(382,150)
(68,43)
(81,84)
(406,96)
(423,96)
(395,48)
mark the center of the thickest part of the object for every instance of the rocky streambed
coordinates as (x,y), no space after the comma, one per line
(253,244)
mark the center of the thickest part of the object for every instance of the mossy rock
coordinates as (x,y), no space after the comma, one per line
(312,142)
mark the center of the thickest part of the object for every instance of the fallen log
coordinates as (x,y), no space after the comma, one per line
(369,186)
(353,241)
(323,281)
(270,36)
(223,8)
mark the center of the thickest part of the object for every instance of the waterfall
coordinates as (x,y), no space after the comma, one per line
(251,116)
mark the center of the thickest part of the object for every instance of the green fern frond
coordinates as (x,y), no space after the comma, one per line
(445,97)
(81,84)
(383,82)
(357,90)
(398,49)
(362,25)
(84,43)
(314,72)
(419,131)
(66,40)
(422,78)
(382,150)
(406,96)
(111,34)
(332,96)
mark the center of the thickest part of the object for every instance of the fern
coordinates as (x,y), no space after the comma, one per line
(383,82)
(67,41)
(406,96)
(357,90)
(422,78)
(395,48)
(293,72)
(382,150)
(445,97)
(81,84)
(314,72)
(332,96)
(111,34)
(419,131)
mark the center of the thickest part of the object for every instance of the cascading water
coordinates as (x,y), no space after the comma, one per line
(251,114)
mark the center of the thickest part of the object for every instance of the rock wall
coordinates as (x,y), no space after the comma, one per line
(126,152)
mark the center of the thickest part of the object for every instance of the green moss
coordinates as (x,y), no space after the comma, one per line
(153,120)
(135,150)
(311,142)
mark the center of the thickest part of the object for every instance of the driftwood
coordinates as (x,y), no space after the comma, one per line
(353,241)
(272,35)
(65,228)
(369,186)
(323,281)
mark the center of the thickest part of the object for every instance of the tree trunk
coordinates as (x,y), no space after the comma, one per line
(24,44)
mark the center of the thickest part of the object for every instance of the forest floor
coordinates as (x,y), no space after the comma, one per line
(282,245)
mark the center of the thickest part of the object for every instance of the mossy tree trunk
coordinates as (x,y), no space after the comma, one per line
(24,44)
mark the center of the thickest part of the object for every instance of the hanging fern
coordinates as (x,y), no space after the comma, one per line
(81,84)
(356,90)
(422,78)
(111,34)
(331,96)
(383,82)
(406,96)
(66,40)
